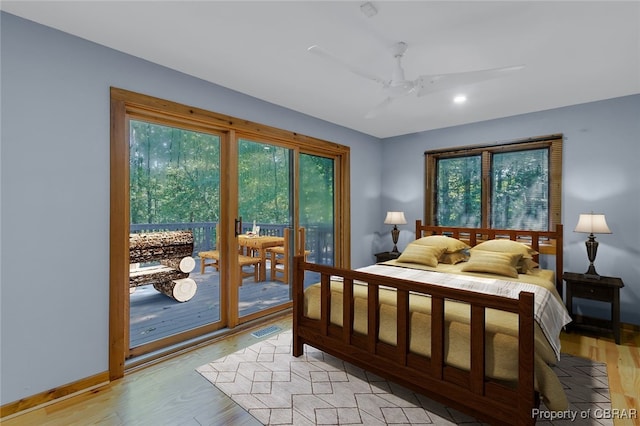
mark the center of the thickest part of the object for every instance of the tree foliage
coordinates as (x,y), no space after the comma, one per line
(519,188)
(174,174)
(459,191)
(316,190)
(175,178)
(264,183)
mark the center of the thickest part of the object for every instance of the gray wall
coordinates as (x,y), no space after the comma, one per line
(600,174)
(55,193)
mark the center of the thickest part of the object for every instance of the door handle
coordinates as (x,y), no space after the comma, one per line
(238,226)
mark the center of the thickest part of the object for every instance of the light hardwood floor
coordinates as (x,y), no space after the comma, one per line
(623,366)
(172,393)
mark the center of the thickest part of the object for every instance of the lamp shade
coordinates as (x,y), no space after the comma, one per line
(395,218)
(591,223)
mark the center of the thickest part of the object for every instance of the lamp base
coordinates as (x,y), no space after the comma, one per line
(592,249)
(591,273)
(395,233)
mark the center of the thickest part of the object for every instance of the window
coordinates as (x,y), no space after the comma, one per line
(459,191)
(515,185)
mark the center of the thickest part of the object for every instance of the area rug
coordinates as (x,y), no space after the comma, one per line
(319,389)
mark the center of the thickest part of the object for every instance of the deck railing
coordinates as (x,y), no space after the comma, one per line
(318,238)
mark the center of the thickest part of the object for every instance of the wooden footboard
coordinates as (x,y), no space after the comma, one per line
(471,392)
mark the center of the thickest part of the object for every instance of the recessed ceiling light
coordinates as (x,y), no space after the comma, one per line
(460,99)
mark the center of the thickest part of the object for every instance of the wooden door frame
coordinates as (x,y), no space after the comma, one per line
(124,103)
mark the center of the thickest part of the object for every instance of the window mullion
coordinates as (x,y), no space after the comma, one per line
(486,189)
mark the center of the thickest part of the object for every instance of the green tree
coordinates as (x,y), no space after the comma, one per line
(175,178)
(459,191)
(174,174)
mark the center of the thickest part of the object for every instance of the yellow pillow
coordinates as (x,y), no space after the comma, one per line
(506,246)
(510,246)
(425,255)
(526,265)
(493,262)
(450,244)
(453,258)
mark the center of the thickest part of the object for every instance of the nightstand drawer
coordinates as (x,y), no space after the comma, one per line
(592,292)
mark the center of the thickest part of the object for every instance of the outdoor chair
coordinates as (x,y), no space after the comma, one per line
(214,260)
(279,256)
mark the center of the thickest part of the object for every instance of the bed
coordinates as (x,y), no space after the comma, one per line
(439,329)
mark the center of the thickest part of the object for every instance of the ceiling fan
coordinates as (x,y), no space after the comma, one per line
(398,86)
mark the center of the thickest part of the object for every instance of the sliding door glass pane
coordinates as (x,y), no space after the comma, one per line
(317,207)
(264,185)
(174,185)
(264,201)
(459,191)
(520,190)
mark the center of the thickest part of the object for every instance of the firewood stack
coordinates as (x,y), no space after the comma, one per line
(173,250)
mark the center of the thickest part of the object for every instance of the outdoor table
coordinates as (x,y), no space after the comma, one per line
(260,243)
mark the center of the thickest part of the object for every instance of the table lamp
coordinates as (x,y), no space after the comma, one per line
(591,223)
(395,219)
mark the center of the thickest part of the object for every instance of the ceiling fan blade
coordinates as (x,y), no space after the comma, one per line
(434,83)
(379,108)
(315,49)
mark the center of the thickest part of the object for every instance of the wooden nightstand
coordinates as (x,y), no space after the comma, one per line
(386,255)
(605,289)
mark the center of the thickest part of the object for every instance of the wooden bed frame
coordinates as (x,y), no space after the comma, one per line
(468,391)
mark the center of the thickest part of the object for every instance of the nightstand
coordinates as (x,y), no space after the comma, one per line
(386,255)
(605,289)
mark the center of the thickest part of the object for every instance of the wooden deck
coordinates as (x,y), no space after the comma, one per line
(154,315)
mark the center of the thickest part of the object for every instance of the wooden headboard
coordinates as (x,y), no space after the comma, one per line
(544,242)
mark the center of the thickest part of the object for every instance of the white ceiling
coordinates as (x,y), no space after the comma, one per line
(574,51)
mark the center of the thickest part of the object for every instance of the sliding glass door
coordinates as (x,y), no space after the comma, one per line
(276,225)
(174,187)
(265,204)
(207,212)
(317,207)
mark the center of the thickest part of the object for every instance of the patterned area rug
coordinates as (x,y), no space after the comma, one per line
(319,389)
